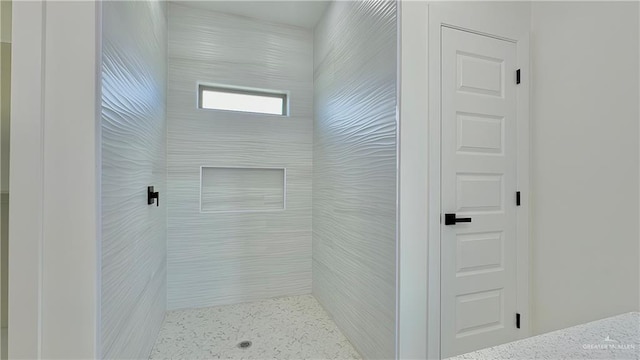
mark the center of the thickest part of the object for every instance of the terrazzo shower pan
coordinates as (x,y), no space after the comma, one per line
(294,327)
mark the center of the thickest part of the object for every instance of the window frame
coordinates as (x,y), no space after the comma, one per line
(283,95)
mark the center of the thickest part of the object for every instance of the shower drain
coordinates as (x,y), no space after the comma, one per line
(244,344)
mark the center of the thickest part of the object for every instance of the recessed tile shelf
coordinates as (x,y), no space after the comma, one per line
(242,189)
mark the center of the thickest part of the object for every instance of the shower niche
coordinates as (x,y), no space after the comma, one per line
(242,189)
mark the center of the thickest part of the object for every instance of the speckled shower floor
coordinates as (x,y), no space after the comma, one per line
(294,327)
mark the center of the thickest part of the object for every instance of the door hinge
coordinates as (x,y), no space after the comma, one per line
(518,320)
(518,76)
(517,198)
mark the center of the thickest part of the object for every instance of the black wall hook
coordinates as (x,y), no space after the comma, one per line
(152,196)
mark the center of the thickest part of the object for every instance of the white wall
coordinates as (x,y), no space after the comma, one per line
(354,168)
(24,284)
(5,100)
(5,112)
(230,257)
(413,194)
(585,162)
(134,267)
(53,294)
(5,38)
(70,168)
(5,21)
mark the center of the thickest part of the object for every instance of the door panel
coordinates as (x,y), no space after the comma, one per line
(480,134)
(479,182)
(480,74)
(479,253)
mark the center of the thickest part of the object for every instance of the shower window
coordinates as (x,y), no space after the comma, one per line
(243,100)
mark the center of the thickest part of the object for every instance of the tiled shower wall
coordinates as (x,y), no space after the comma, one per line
(228,257)
(133,300)
(354,172)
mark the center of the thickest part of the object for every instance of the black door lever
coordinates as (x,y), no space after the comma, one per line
(152,196)
(451,219)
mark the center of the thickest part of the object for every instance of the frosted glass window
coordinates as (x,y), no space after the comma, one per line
(251,101)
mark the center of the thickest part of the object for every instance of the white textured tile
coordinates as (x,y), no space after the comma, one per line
(223,258)
(616,337)
(354,172)
(282,328)
(133,284)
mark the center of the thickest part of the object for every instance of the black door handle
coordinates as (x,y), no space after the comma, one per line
(451,219)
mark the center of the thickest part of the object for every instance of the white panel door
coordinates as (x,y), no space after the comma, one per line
(479,185)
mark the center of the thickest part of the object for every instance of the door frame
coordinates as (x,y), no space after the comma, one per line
(504,21)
